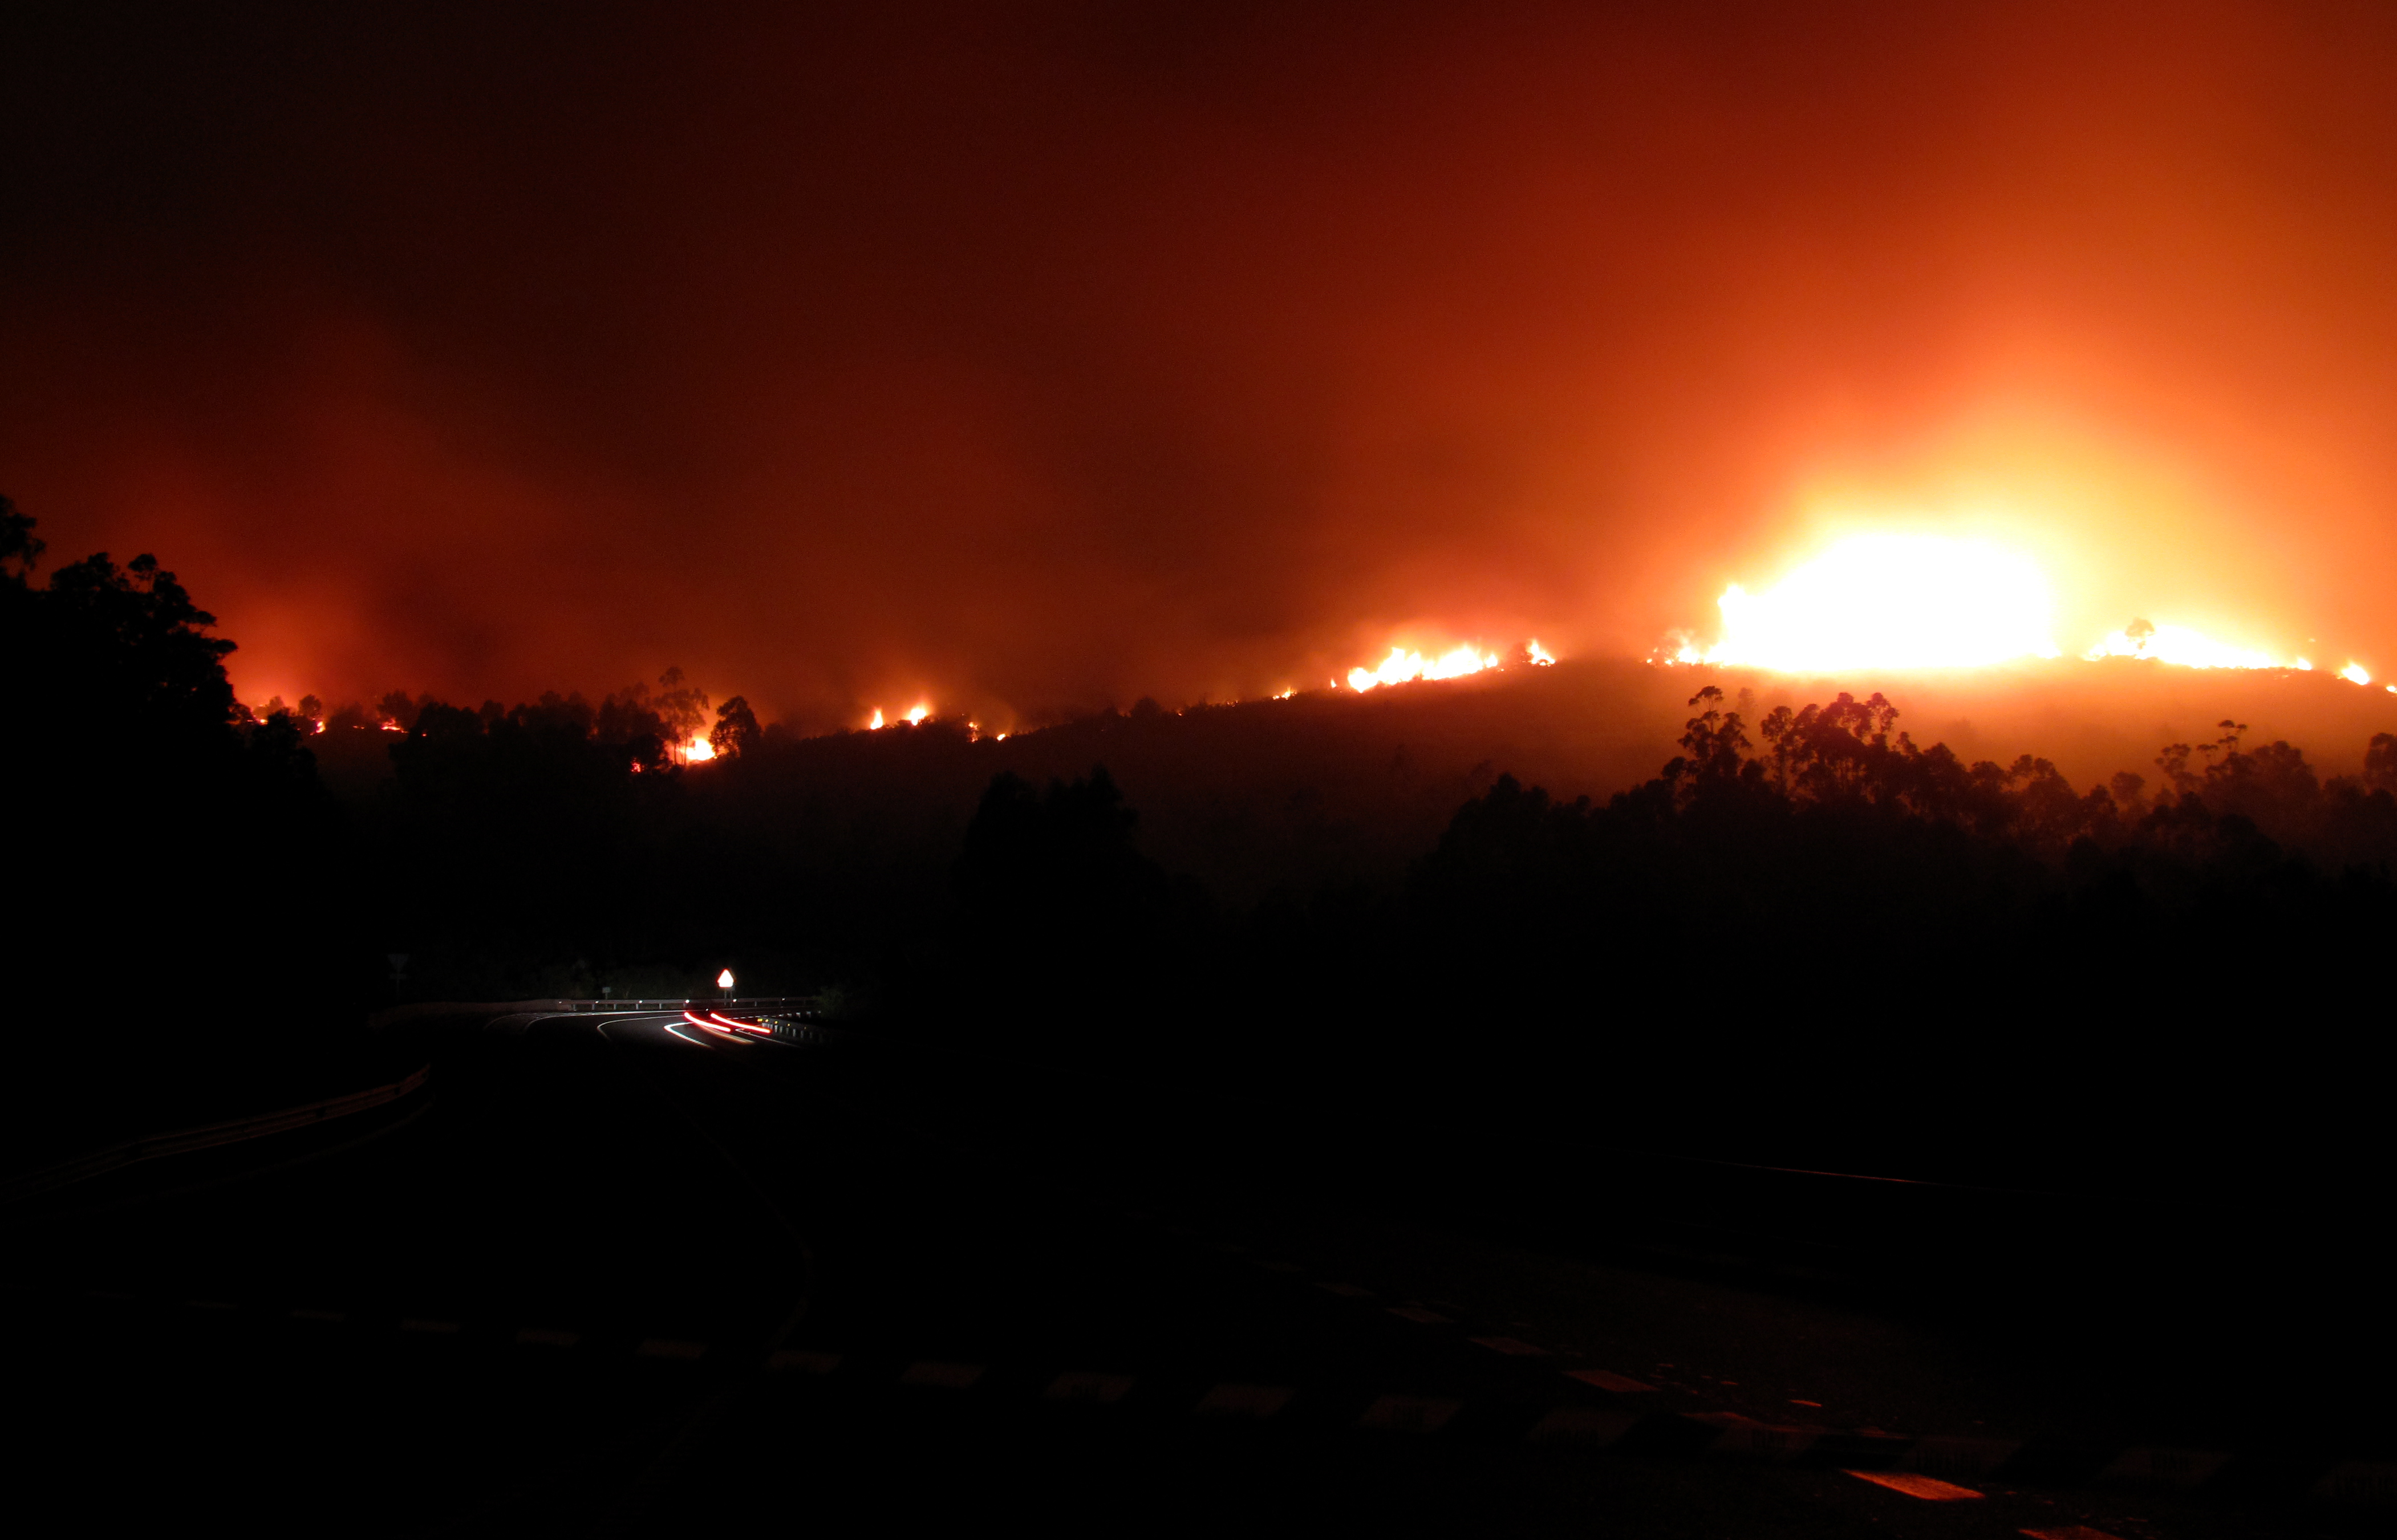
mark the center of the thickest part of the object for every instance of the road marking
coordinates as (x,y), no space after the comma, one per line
(320,1315)
(1420,1316)
(1242,1401)
(545,1336)
(670,1348)
(1795,1401)
(120,1295)
(438,1328)
(939,1374)
(1622,1384)
(1581,1425)
(1079,1386)
(1931,1489)
(1345,1291)
(2069,1532)
(1282,1266)
(1410,1413)
(806,1360)
(208,1304)
(1230,1247)
(1509,1346)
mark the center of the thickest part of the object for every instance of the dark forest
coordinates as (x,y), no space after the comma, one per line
(2094,963)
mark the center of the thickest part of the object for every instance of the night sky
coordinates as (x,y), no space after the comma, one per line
(1026,359)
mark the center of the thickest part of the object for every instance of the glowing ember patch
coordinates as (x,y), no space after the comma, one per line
(1890,601)
(2178,644)
(698,749)
(1402,665)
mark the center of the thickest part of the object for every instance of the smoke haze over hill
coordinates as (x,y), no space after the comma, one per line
(1034,359)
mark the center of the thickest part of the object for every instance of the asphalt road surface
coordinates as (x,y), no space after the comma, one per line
(632,1274)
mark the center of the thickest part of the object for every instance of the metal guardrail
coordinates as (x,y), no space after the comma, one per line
(184,1141)
(712,1002)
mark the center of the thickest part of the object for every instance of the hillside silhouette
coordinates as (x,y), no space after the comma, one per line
(1494,904)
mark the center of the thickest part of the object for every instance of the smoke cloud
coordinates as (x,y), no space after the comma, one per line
(1023,359)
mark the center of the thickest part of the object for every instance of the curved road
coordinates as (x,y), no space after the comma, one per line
(632,1272)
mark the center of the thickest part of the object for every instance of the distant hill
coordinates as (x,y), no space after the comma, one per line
(1339,786)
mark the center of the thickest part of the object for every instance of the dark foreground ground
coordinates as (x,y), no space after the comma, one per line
(597,1275)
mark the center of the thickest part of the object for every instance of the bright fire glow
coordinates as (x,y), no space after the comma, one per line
(875,725)
(2178,644)
(1539,655)
(916,714)
(1891,601)
(698,749)
(2354,673)
(1402,665)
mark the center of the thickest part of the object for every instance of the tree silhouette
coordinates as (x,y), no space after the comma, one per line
(19,547)
(203,841)
(736,730)
(2380,763)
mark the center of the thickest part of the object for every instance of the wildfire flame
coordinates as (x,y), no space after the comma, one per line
(1541,657)
(915,715)
(1890,601)
(1904,601)
(875,725)
(697,750)
(1402,665)
(2178,644)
